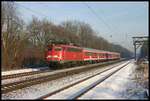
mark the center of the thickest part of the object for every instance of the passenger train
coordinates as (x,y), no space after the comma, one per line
(59,54)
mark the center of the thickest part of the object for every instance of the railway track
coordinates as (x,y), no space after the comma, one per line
(34,72)
(78,89)
(23,74)
(5,88)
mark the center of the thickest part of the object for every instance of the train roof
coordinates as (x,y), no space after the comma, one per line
(93,49)
(97,50)
(69,46)
(90,49)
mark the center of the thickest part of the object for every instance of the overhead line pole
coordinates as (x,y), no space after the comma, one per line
(137,41)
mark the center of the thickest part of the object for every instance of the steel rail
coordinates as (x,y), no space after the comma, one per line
(10,76)
(23,74)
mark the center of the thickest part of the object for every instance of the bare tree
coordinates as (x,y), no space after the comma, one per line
(12,26)
(27,46)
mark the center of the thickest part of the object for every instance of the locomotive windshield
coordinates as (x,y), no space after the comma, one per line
(49,48)
(57,48)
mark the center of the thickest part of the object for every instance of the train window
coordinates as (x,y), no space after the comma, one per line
(100,54)
(88,54)
(57,48)
(94,54)
(104,54)
(68,49)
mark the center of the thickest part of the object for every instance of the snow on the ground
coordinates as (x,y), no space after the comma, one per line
(115,87)
(23,70)
(36,91)
(77,89)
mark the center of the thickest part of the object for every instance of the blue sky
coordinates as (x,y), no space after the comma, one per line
(121,20)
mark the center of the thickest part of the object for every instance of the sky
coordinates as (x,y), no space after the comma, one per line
(117,22)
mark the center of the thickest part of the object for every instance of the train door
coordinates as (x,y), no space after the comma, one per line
(63,53)
(57,52)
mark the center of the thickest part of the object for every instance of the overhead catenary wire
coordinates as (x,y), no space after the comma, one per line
(34,11)
(84,3)
(100,18)
(97,15)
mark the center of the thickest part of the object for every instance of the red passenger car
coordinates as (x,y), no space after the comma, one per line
(94,55)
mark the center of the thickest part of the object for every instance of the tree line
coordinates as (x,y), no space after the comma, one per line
(25,44)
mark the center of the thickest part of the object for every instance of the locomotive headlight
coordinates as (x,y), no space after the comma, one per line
(48,56)
(56,56)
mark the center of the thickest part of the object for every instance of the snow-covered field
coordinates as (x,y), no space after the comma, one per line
(121,81)
(116,86)
(23,70)
(113,87)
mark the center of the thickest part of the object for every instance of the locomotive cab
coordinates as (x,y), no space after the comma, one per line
(54,53)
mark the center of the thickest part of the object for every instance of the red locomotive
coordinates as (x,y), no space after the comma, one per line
(65,54)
